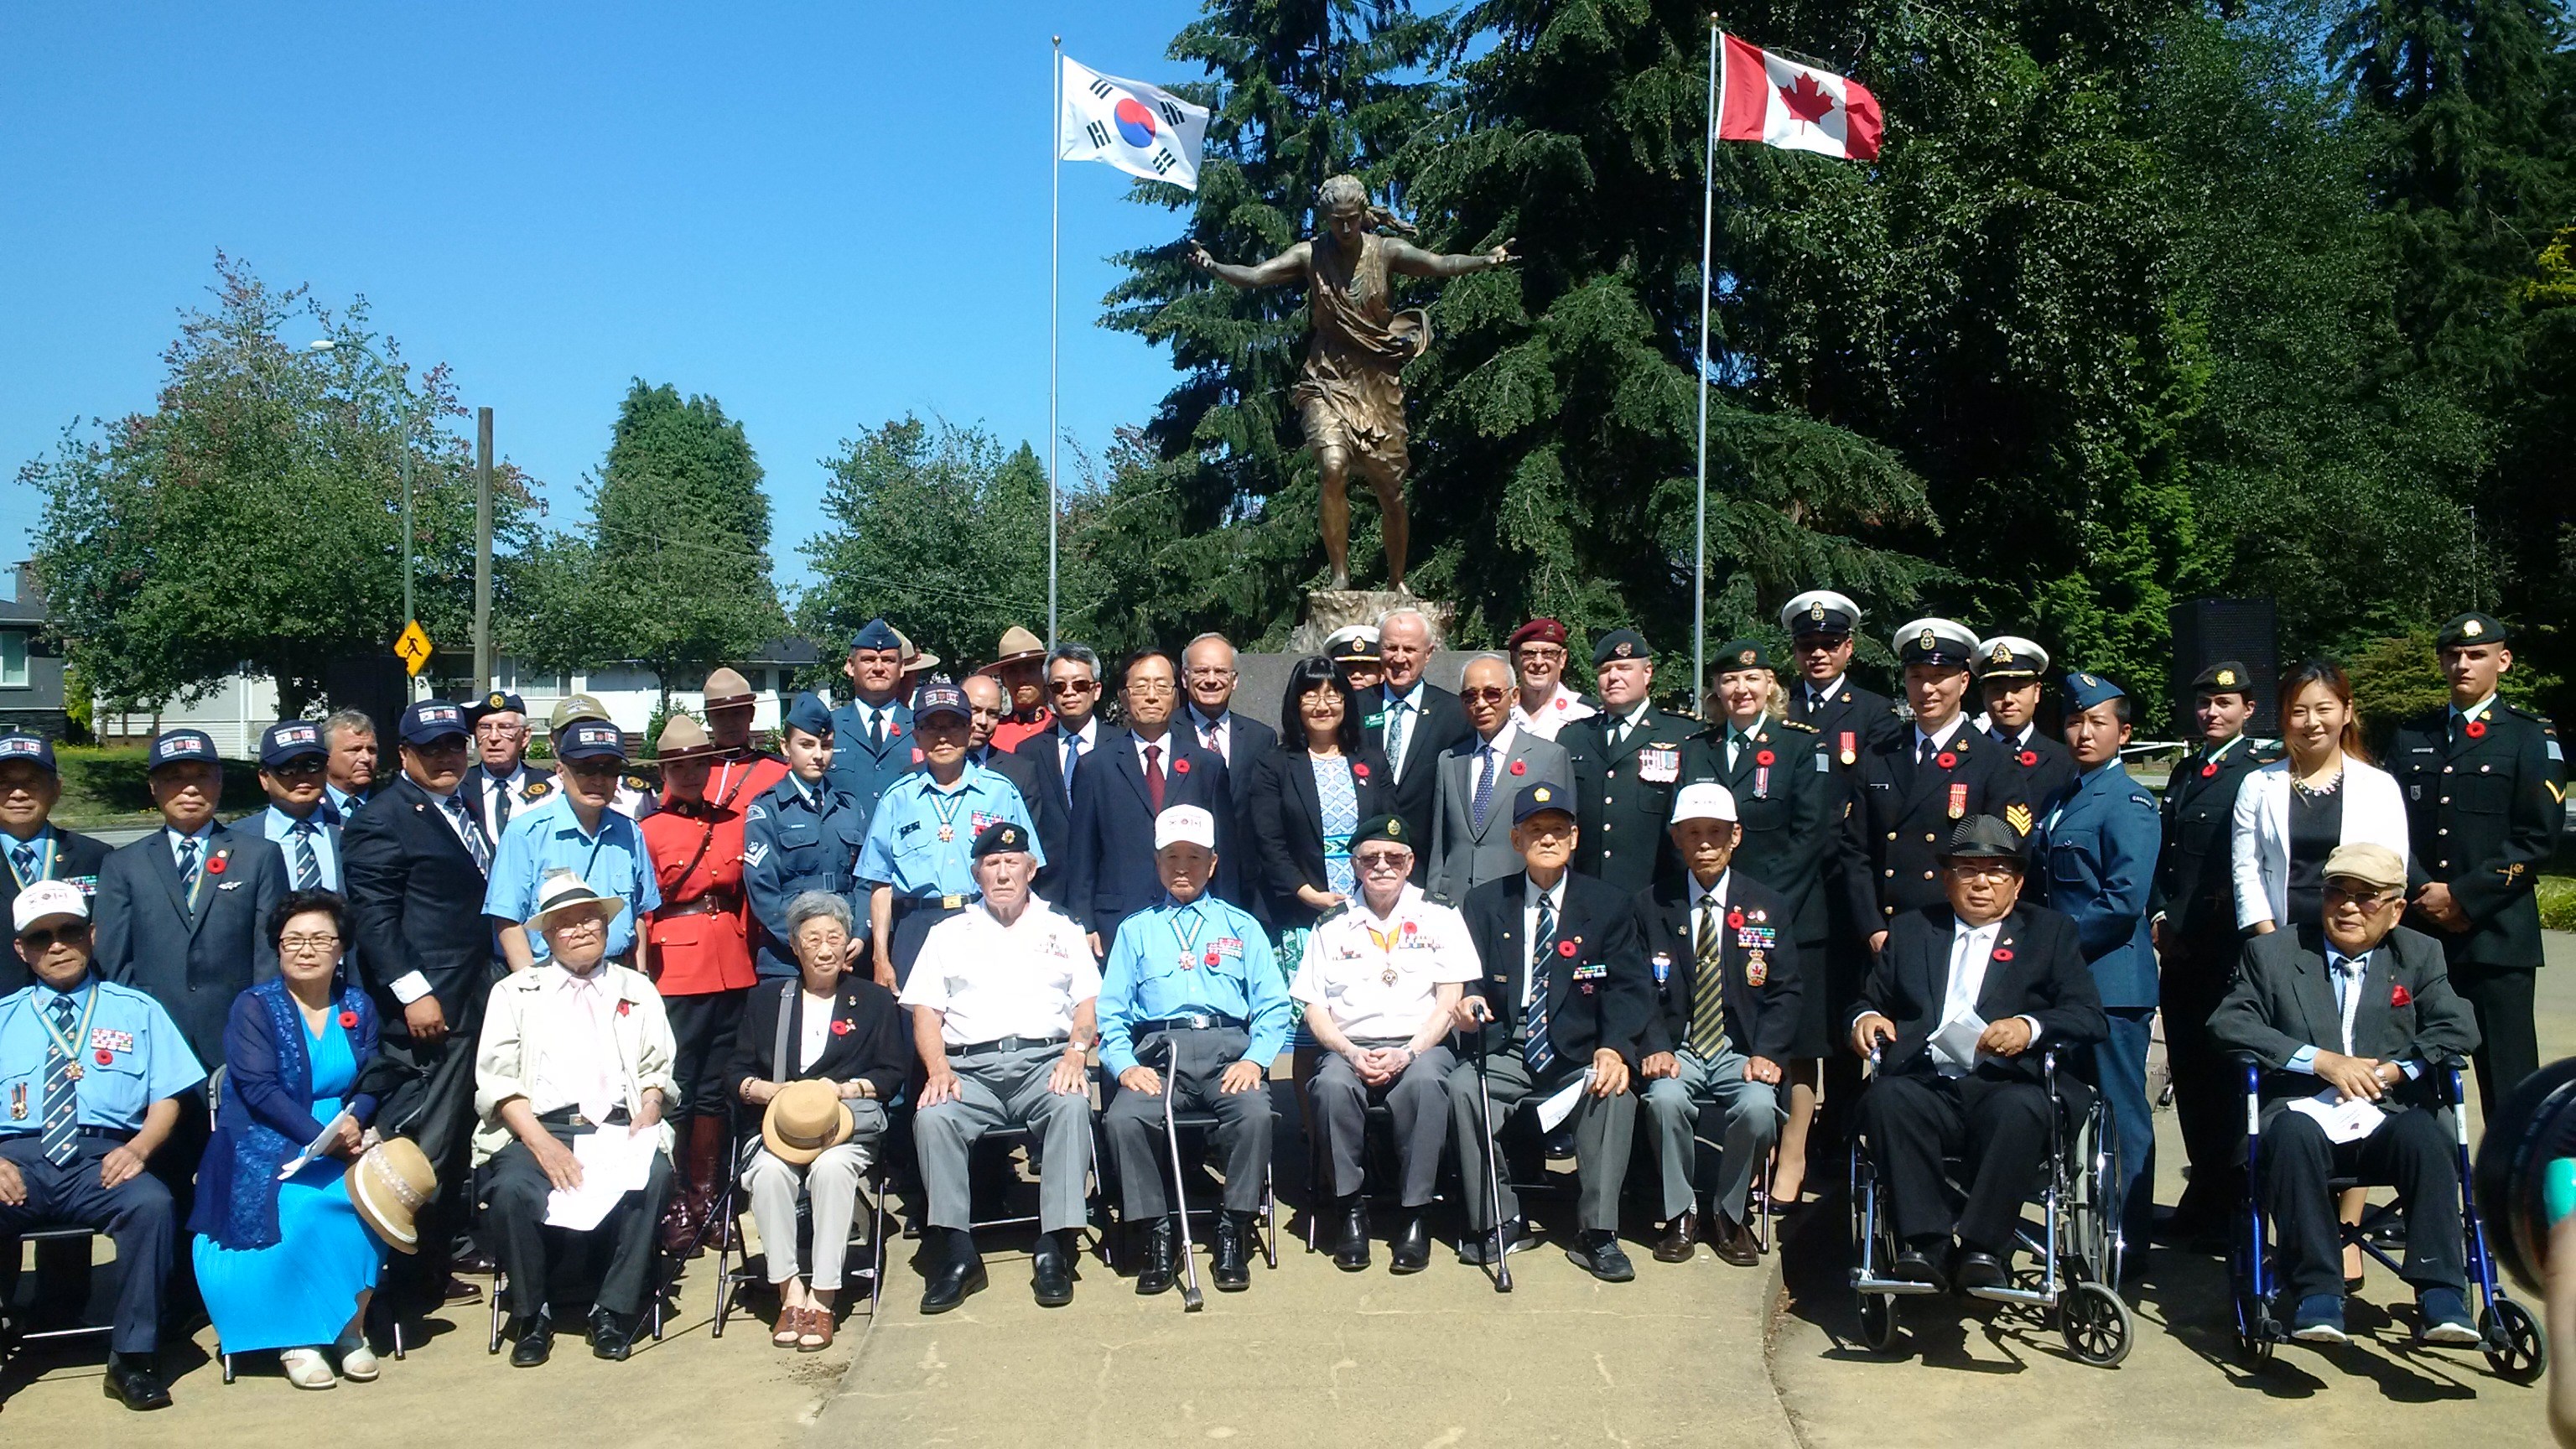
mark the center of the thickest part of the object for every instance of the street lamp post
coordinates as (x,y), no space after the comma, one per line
(325,344)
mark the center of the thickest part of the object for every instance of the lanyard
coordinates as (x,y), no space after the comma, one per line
(1189,943)
(70,1047)
(44,862)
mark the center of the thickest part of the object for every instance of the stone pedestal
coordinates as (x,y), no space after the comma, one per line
(1330,609)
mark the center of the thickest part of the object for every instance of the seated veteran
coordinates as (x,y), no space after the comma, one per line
(1729,991)
(1002,998)
(821,1056)
(1192,985)
(2015,976)
(1565,992)
(91,1073)
(1380,980)
(285,1262)
(2348,1012)
(573,1047)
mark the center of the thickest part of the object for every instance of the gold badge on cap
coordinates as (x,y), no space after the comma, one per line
(1925,640)
(2002,654)
(1625,649)
(498,700)
(1394,828)
(1816,610)
(1744,658)
(2472,629)
(1540,795)
(2227,679)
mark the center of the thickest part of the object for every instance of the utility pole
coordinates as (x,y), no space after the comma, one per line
(482,550)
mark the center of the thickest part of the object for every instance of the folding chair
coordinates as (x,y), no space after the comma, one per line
(16,1336)
(734,1274)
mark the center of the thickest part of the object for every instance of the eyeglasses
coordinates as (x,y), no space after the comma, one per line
(44,940)
(296,769)
(1394,861)
(304,945)
(1490,694)
(1072,686)
(1996,870)
(1150,688)
(1542,651)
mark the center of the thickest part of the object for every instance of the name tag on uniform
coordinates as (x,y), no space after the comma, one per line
(103,1040)
(1659,764)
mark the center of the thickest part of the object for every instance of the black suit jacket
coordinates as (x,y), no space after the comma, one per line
(1285,819)
(2283,1000)
(1441,724)
(194,962)
(1610,1010)
(1761,1021)
(1049,810)
(1109,859)
(876,1046)
(416,904)
(473,785)
(2045,979)
(1903,813)
(2194,888)
(77,859)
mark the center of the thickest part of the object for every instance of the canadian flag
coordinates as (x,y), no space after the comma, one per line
(1794,107)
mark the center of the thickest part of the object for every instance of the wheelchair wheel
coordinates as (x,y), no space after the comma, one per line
(2515,1349)
(2096,1324)
(1878,1321)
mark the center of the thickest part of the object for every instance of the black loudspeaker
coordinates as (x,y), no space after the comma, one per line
(2206,631)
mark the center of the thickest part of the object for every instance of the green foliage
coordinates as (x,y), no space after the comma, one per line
(255,513)
(2400,676)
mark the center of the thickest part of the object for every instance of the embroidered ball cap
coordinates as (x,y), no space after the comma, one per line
(1018,646)
(47,900)
(574,707)
(1389,828)
(563,896)
(683,739)
(805,1120)
(727,689)
(289,740)
(389,1185)
(1741,654)
(877,634)
(809,713)
(20,745)
(940,697)
(1982,837)
(2227,676)
(1002,837)
(2010,656)
(1621,644)
(1820,611)
(429,721)
(1704,801)
(2085,690)
(591,740)
(1539,797)
(1537,631)
(2472,628)
(2375,866)
(1943,642)
(499,701)
(171,747)
(1184,825)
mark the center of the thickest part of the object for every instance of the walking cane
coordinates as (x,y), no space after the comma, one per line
(1191,1300)
(1493,1154)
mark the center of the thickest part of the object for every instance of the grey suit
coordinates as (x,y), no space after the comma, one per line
(1463,854)
(193,961)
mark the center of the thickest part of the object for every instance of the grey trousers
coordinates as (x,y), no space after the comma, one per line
(1134,1122)
(830,1182)
(1748,1115)
(1604,1127)
(998,1090)
(1338,1103)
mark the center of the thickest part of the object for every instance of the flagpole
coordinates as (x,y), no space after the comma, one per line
(1707,232)
(1055,277)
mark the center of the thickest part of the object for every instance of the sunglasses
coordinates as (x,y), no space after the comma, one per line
(1988,870)
(1490,694)
(1072,686)
(44,940)
(2369,900)
(1384,860)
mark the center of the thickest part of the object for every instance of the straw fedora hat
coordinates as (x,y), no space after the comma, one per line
(388,1185)
(564,894)
(804,1121)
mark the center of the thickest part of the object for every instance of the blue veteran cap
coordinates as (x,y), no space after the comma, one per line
(20,745)
(430,720)
(2083,691)
(1540,796)
(499,701)
(590,739)
(809,713)
(171,747)
(291,739)
(940,697)
(876,634)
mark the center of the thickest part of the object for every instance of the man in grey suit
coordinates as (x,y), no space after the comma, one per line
(1471,827)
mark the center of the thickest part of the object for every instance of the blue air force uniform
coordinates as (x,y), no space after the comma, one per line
(920,844)
(871,744)
(612,861)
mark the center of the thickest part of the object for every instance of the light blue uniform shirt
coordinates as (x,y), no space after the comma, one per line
(1231,972)
(614,863)
(904,849)
(147,1058)
(279,826)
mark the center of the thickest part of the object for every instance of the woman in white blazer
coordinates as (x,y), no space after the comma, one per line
(2291,814)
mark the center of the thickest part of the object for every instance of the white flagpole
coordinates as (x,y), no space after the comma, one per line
(1055,276)
(1707,232)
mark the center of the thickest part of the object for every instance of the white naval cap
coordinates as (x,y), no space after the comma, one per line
(1936,641)
(1820,611)
(2010,656)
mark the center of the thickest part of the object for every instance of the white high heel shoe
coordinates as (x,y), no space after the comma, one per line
(306,1368)
(358,1364)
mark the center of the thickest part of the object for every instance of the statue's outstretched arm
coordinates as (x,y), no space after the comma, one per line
(1413,261)
(1288,266)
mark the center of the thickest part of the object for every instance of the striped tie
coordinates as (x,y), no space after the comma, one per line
(472,832)
(62,1103)
(188,868)
(1708,988)
(308,866)
(25,856)
(1537,1050)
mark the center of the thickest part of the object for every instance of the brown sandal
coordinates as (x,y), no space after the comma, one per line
(818,1331)
(791,1326)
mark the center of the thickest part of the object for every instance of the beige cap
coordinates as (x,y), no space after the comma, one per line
(575,707)
(805,1120)
(914,661)
(2375,866)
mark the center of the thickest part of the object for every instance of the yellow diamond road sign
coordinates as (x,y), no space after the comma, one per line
(413,646)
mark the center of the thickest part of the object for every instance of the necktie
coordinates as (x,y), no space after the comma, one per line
(1619,734)
(500,807)
(1154,776)
(25,858)
(1708,987)
(1072,756)
(308,866)
(1484,783)
(1537,1050)
(472,833)
(62,1105)
(1211,737)
(876,729)
(1395,712)
(188,866)
(1734,748)
(1923,749)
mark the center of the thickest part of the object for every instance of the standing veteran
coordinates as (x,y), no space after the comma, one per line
(2355,1009)
(1191,982)
(501,782)
(915,863)
(36,848)
(1566,993)
(1380,981)
(801,834)
(575,829)
(1918,782)
(1479,777)
(291,759)
(1729,988)
(92,1074)
(1139,773)
(2015,975)
(1626,762)
(574,1046)
(872,734)
(1003,998)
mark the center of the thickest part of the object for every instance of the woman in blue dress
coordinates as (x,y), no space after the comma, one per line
(284,1261)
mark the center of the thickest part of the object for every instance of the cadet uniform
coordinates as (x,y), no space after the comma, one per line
(2485,800)
(50,853)
(2093,859)
(1913,789)
(2038,762)
(800,836)
(611,860)
(871,744)
(1626,768)
(922,836)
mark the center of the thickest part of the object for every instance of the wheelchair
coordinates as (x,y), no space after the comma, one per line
(2076,1247)
(2511,1337)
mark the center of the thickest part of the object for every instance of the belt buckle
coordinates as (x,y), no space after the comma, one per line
(579,1120)
(950,903)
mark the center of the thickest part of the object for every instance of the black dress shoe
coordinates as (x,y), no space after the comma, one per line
(1675,1246)
(1351,1253)
(1600,1255)
(474,1261)
(1162,1260)
(1978,1269)
(1515,1237)
(1411,1251)
(612,1334)
(460,1291)
(133,1382)
(960,1273)
(1922,1264)
(536,1341)
(1734,1243)
(1051,1275)
(1232,1266)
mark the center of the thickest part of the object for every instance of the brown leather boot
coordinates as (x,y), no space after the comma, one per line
(707,1167)
(679,1226)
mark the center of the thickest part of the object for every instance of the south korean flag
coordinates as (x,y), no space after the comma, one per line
(1140,129)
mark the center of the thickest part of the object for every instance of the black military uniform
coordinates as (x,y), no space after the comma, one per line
(2036,758)
(2195,907)
(1913,789)
(1626,768)
(2485,799)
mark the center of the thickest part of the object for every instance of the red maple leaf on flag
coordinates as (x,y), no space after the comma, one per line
(1806,100)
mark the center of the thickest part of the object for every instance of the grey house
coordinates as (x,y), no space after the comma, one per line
(31,673)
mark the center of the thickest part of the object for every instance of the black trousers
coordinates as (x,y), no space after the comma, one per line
(702,1026)
(2508,1044)
(431,1102)
(2411,1152)
(514,1225)
(1999,1126)
(1133,1121)
(2209,1091)
(136,1214)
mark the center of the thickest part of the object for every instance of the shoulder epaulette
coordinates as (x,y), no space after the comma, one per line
(1798,724)
(1335,914)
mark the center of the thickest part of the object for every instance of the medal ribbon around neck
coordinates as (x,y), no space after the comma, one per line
(71,1047)
(1189,943)
(948,803)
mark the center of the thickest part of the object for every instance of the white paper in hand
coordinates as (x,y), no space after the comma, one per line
(614,1162)
(1553,1112)
(312,1149)
(1956,1041)
(2343,1121)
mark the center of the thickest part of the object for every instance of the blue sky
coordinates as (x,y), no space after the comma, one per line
(825,216)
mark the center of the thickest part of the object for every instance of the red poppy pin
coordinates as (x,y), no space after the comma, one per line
(2398,995)
(1408,928)
(2209,770)
(840,1028)
(1735,917)
(2029,758)
(1520,767)
(1946,760)
(1209,959)
(216,865)
(1565,949)
(348,1021)
(2477,729)
(2003,953)
(1359,771)
(1180,767)
(894,731)
(106,1058)
(624,1007)
(1762,757)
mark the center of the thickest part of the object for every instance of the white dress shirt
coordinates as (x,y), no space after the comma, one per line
(1409,705)
(1939,739)
(991,980)
(1554,713)
(1818,698)
(1216,734)
(1165,746)
(1422,943)
(487,805)
(1972,950)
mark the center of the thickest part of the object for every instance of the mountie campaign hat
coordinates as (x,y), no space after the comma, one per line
(1184,825)
(2227,676)
(2472,628)
(683,739)
(430,720)
(291,739)
(809,713)
(2010,656)
(1539,797)
(1018,646)
(171,747)
(1621,644)
(1002,837)
(1820,611)
(20,745)
(727,689)
(1943,642)
(915,661)
(1737,654)
(1707,800)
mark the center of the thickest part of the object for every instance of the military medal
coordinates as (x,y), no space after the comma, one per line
(69,1046)
(1849,747)
(1756,970)
(1386,943)
(18,1102)
(947,808)
(947,832)
(1958,800)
